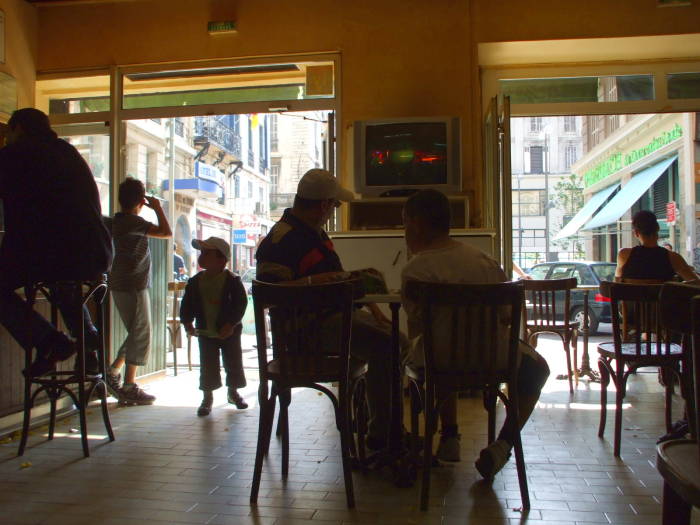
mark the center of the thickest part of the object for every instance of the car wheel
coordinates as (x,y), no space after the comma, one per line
(577,317)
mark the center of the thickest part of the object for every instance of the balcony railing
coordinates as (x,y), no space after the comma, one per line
(179,128)
(281,200)
(211,130)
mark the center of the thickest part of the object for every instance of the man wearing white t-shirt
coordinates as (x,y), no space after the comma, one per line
(438,258)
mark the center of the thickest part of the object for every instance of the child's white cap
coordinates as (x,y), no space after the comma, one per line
(213,243)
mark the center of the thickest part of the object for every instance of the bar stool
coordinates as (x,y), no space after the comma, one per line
(58,382)
(174,324)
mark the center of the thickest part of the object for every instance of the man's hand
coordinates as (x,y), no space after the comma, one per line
(226,331)
(189,328)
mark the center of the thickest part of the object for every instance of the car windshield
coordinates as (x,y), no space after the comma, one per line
(539,272)
(604,272)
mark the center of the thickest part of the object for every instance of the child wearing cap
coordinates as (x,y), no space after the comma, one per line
(216,300)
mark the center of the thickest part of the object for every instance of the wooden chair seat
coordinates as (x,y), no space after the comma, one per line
(298,370)
(678,461)
(630,350)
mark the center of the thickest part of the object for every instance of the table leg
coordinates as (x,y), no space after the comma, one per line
(585,370)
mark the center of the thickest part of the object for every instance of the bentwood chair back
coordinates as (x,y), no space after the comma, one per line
(639,340)
(310,328)
(548,310)
(470,341)
(678,460)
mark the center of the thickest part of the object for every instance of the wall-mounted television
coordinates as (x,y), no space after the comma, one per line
(407,154)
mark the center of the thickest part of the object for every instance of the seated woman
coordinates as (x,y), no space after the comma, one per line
(649,260)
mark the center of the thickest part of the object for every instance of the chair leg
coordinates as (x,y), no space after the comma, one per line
(267,415)
(27,415)
(520,465)
(619,398)
(361,419)
(344,424)
(574,344)
(285,399)
(415,410)
(429,415)
(82,411)
(668,388)
(52,414)
(173,342)
(604,382)
(490,406)
(567,350)
(674,511)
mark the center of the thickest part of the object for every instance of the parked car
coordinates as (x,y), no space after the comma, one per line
(587,273)
(247,278)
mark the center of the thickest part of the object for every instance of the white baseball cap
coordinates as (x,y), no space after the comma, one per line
(213,243)
(318,185)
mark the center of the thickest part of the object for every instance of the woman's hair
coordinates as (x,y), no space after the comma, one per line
(131,193)
(645,222)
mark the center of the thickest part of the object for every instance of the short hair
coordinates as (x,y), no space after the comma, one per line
(645,222)
(431,207)
(131,193)
(34,123)
(305,204)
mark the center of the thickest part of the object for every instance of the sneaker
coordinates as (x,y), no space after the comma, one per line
(235,399)
(207,401)
(493,458)
(114,384)
(448,450)
(134,395)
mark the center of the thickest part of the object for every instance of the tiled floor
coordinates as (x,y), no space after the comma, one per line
(168,466)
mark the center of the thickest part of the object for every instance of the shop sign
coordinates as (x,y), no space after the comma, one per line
(206,172)
(239,236)
(248,221)
(617,161)
(671,212)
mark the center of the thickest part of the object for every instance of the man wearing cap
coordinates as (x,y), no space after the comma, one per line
(216,299)
(297,250)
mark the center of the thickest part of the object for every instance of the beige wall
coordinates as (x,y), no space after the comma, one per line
(399,57)
(20,47)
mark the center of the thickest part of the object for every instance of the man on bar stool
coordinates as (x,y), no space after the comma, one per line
(54,233)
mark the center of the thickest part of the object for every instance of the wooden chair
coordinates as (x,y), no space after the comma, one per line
(310,328)
(678,460)
(478,358)
(174,324)
(638,341)
(544,314)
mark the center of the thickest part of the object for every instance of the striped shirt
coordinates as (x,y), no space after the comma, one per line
(132,258)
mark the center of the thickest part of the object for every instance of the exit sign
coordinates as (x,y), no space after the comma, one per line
(226,26)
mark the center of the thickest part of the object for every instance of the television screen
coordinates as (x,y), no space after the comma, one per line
(406,153)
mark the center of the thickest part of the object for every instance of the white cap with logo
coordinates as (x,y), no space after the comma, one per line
(213,243)
(317,184)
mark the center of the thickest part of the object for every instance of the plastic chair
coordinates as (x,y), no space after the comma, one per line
(67,381)
(638,341)
(303,357)
(174,324)
(544,315)
(478,358)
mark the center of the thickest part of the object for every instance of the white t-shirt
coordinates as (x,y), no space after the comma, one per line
(455,263)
